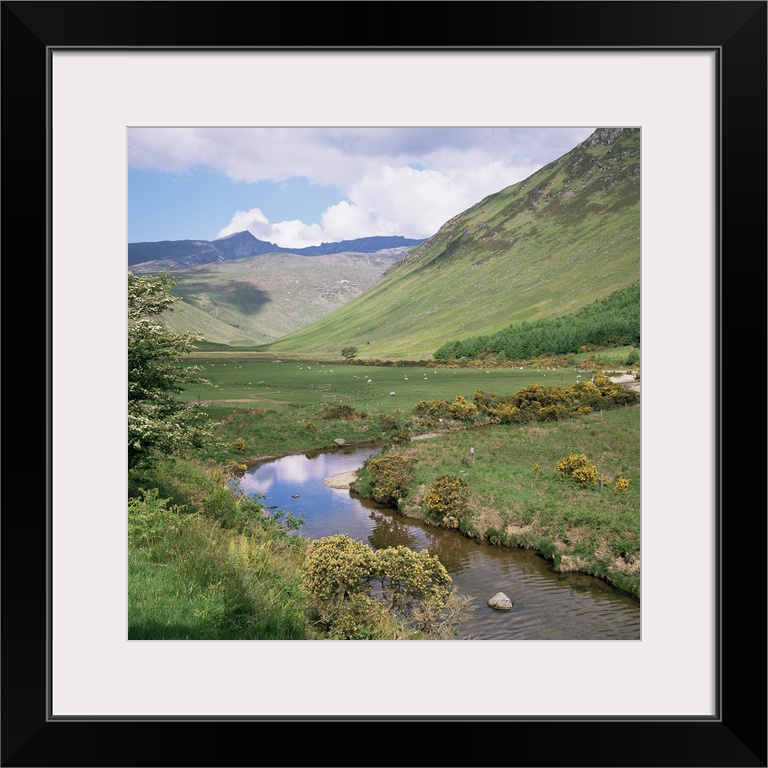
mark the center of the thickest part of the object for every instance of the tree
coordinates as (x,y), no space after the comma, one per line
(349,352)
(157,419)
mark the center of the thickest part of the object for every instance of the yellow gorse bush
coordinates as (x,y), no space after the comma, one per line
(622,483)
(339,577)
(390,477)
(579,467)
(446,499)
(585,475)
(461,410)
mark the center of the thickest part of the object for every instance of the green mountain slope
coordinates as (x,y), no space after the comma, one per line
(258,299)
(565,237)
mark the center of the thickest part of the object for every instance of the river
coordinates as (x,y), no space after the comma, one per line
(547,605)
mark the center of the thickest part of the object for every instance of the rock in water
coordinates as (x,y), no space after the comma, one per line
(501,602)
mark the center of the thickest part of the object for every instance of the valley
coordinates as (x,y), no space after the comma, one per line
(495,366)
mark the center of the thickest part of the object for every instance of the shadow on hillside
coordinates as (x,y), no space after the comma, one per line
(243,296)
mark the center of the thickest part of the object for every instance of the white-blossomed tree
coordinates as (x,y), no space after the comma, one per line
(158,419)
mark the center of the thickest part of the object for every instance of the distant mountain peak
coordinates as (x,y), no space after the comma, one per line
(244,235)
(181,254)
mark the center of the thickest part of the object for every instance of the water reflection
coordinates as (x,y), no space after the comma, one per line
(548,605)
(390,532)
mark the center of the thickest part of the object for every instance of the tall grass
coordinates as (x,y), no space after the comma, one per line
(205,564)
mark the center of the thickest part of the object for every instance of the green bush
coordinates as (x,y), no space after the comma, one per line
(401,437)
(339,411)
(387,422)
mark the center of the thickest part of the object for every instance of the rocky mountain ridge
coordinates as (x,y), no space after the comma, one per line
(176,255)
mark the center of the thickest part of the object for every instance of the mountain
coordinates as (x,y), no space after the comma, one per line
(255,300)
(174,255)
(563,238)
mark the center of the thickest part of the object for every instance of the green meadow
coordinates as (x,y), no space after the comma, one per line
(246,382)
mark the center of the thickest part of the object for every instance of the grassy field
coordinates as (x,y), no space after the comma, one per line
(268,405)
(248,381)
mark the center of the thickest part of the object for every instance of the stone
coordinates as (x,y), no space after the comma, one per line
(340,441)
(501,602)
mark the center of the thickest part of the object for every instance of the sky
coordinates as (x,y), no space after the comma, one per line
(296,187)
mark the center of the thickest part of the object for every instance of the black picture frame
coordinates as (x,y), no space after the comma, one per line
(736,736)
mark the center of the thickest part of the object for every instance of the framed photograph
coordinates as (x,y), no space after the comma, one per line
(691,76)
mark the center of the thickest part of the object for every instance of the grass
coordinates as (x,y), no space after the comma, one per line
(271,417)
(251,381)
(204,564)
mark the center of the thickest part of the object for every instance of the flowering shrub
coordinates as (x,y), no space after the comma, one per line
(337,567)
(461,410)
(430,411)
(537,402)
(446,500)
(401,437)
(389,477)
(579,467)
(586,475)
(622,483)
(339,575)
(159,421)
(504,413)
(410,581)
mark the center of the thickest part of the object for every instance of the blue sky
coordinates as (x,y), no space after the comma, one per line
(297,187)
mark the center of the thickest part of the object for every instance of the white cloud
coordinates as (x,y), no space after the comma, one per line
(254,221)
(401,201)
(405,182)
